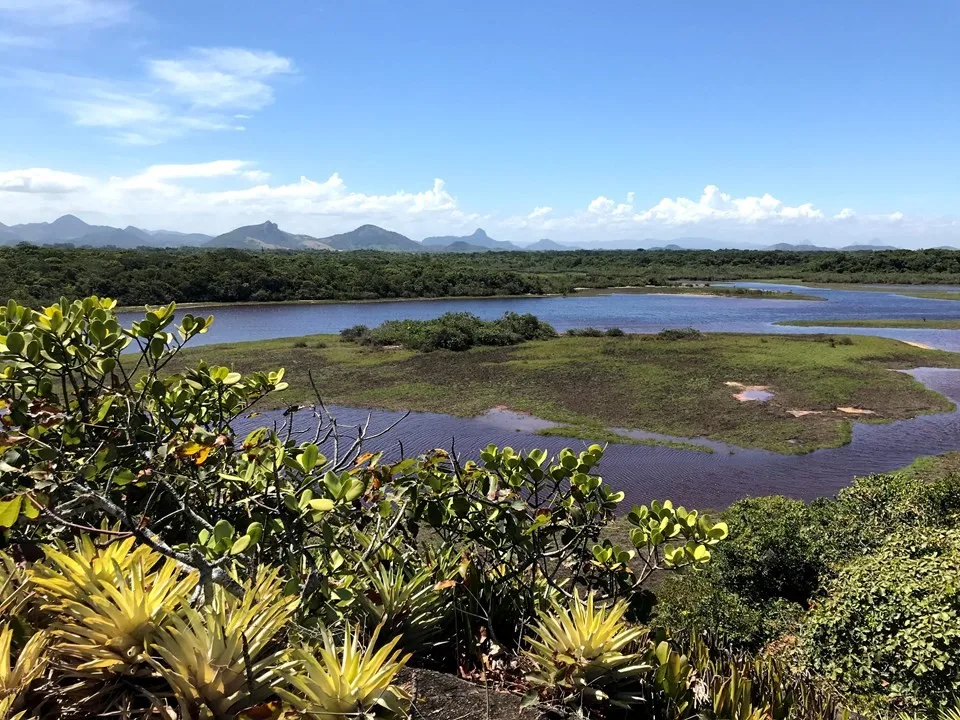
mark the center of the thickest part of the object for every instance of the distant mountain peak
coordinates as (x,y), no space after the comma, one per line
(480,233)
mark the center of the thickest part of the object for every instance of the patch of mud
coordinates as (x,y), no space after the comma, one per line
(917,345)
(750,393)
(856,411)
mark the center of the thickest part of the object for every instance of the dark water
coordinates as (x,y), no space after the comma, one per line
(699,479)
(632,312)
(649,472)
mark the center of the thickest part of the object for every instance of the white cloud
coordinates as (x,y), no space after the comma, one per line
(176,97)
(222,77)
(42,181)
(53,13)
(222,194)
(714,204)
(601,205)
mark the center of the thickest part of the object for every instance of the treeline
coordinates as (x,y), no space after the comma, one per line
(44,274)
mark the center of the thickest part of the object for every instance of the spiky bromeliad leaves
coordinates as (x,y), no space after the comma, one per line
(341,682)
(223,658)
(585,651)
(15,676)
(411,607)
(107,616)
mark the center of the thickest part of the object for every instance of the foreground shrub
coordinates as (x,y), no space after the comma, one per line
(587,653)
(339,682)
(110,652)
(889,624)
(224,658)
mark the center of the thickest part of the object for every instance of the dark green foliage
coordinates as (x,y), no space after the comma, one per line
(595,332)
(133,277)
(355,333)
(585,332)
(869,580)
(759,581)
(889,624)
(680,334)
(452,331)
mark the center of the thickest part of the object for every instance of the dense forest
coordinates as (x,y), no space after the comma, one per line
(44,274)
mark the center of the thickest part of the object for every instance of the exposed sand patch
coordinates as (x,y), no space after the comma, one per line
(750,393)
(804,413)
(916,344)
(856,411)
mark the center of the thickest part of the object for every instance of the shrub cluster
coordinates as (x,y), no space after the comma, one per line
(680,334)
(595,332)
(452,331)
(867,581)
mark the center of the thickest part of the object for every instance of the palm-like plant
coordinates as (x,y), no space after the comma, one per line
(342,682)
(410,607)
(223,659)
(16,676)
(584,651)
(107,615)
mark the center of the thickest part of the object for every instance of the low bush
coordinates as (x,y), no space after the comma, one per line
(759,581)
(679,334)
(888,625)
(354,333)
(452,331)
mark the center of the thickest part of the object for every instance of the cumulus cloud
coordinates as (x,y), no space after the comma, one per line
(219,195)
(714,204)
(222,194)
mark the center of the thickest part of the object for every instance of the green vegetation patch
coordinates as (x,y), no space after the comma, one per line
(911,323)
(134,277)
(655,383)
(451,331)
(712,290)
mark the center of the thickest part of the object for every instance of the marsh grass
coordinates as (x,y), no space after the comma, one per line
(673,387)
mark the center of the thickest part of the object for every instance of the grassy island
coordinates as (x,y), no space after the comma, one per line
(674,383)
(905,323)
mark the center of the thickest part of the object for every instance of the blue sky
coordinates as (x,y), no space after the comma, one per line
(822,121)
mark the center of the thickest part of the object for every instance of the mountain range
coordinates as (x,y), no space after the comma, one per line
(71,229)
(268,236)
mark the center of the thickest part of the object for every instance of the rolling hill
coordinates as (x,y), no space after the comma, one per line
(479,239)
(371,237)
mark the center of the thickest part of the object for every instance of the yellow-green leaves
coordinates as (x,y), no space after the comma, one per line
(10,511)
(660,523)
(584,648)
(345,681)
